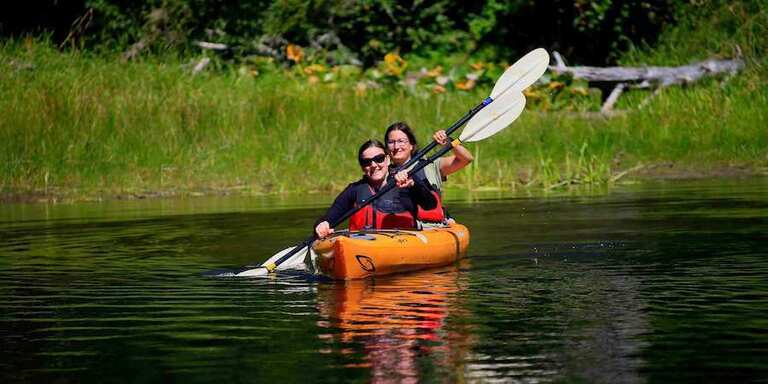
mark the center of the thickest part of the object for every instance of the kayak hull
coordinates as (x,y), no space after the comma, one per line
(361,254)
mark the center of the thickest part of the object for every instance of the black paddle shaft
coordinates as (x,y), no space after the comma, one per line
(386,188)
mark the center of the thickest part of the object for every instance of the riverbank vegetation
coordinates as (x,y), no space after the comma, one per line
(79,123)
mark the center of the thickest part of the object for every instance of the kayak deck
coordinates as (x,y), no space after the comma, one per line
(361,254)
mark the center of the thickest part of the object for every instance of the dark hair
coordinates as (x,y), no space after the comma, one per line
(401,126)
(373,143)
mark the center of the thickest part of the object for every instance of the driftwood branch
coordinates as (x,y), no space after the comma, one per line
(646,77)
(201,65)
(212,46)
(612,98)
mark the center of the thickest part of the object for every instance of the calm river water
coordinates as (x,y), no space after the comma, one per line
(657,283)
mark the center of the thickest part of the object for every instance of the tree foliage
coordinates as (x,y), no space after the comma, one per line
(586,32)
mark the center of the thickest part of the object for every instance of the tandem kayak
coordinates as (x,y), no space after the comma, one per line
(361,254)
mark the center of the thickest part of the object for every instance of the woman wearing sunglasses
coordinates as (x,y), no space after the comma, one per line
(396,209)
(401,145)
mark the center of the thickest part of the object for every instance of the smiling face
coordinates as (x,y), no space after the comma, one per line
(399,146)
(375,171)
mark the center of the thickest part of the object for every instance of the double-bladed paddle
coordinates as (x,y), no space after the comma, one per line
(506,104)
(519,76)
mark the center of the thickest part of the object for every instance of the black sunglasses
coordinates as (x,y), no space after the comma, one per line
(378,159)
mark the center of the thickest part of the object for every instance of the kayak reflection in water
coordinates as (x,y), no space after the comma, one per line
(396,326)
(402,144)
(396,209)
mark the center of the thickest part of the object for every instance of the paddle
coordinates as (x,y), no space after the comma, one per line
(483,125)
(519,76)
(508,105)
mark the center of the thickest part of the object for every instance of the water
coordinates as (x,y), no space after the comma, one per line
(650,283)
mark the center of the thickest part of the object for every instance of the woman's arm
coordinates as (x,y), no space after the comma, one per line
(460,158)
(343,203)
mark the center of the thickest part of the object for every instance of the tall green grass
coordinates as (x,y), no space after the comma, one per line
(88,125)
(94,124)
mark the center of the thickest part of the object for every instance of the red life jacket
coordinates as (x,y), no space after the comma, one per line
(385,213)
(437,214)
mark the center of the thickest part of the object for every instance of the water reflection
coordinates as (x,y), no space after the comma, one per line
(398,323)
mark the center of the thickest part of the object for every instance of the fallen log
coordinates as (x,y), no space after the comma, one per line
(646,77)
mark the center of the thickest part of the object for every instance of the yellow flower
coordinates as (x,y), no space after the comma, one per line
(313,79)
(555,85)
(438,89)
(466,85)
(395,65)
(531,93)
(294,53)
(436,71)
(579,91)
(477,66)
(314,68)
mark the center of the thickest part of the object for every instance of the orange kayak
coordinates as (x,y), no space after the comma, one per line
(357,255)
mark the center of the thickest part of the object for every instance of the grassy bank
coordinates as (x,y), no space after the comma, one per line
(79,125)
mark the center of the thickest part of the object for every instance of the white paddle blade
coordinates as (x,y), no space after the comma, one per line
(255,272)
(294,262)
(493,118)
(522,74)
